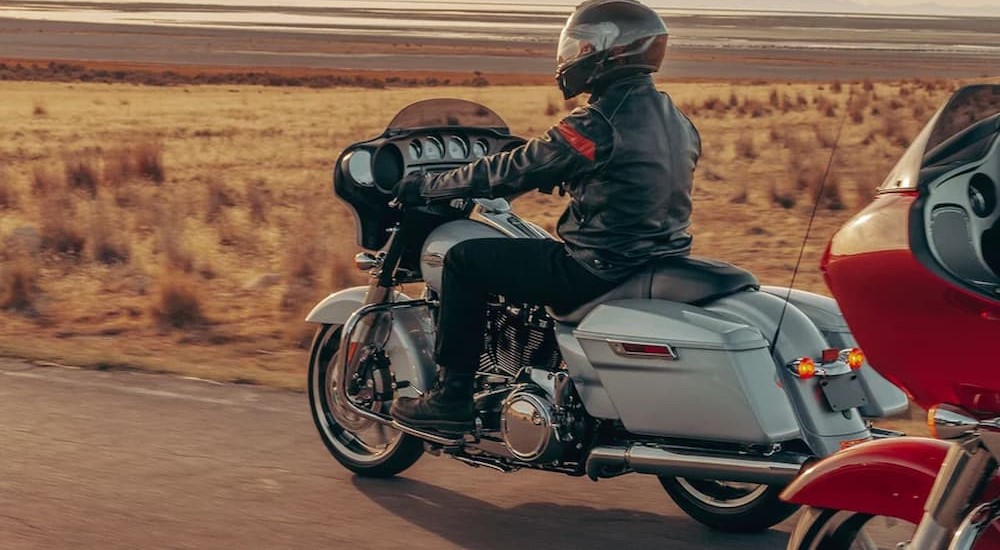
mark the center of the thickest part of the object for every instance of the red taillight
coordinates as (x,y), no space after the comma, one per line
(804,368)
(640,349)
(855,358)
(831,355)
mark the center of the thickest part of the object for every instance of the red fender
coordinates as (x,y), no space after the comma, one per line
(887,477)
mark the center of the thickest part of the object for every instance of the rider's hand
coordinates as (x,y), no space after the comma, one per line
(407,190)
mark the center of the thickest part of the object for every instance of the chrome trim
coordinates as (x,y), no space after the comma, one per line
(606,461)
(345,339)
(975,523)
(618,346)
(951,422)
(366,261)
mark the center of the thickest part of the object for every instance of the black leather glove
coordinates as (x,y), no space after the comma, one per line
(408,190)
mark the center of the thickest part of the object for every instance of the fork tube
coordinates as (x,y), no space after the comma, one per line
(962,476)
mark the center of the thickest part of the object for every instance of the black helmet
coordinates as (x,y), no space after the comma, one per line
(607,39)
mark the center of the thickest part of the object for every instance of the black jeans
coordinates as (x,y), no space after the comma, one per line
(534,271)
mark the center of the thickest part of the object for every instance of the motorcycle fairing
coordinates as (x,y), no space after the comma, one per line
(410,346)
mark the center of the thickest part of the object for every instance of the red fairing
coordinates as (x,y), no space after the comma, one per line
(888,477)
(936,341)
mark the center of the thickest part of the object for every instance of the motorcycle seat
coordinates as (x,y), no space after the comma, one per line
(686,279)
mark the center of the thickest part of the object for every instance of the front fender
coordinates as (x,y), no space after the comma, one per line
(337,307)
(410,347)
(887,477)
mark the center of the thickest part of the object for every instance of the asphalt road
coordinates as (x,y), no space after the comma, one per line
(129,460)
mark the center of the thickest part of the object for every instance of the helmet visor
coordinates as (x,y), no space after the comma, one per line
(578,41)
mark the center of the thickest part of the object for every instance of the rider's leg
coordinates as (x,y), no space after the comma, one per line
(523,270)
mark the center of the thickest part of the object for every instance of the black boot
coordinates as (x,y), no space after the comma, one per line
(447,407)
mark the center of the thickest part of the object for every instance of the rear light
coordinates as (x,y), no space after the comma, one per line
(804,368)
(831,355)
(854,358)
(640,349)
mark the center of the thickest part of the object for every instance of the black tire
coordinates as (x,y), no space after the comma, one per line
(398,455)
(726,510)
(821,529)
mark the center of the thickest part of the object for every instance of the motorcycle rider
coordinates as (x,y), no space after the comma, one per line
(626,159)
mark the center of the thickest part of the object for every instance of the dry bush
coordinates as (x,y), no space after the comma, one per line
(753,107)
(178,301)
(782,198)
(46,182)
(857,116)
(119,166)
(893,131)
(9,196)
(776,132)
(826,135)
(172,242)
(19,283)
(147,155)
(108,240)
(57,217)
(571,103)
(773,98)
(742,196)
(713,103)
(801,101)
(712,175)
(745,146)
(904,91)
(258,201)
(217,196)
(82,171)
(836,87)
(39,109)
(551,108)
(733,99)
(867,85)
(230,232)
(832,197)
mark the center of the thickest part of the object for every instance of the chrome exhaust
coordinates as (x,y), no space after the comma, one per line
(779,468)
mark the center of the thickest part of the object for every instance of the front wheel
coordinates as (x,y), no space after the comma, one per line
(365,447)
(820,529)
(729,506)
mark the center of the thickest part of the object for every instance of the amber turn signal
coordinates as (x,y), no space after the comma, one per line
(804,368)
(855,358)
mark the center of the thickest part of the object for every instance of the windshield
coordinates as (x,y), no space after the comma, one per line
(963,127)
(437,113)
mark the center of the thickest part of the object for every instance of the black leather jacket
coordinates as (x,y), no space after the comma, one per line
(626,160)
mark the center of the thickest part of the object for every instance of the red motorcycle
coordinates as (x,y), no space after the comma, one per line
(917,274)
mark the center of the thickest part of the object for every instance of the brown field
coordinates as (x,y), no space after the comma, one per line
(190,228)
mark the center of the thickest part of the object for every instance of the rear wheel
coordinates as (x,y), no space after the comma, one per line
(729,506)
(365,447)
(820,529)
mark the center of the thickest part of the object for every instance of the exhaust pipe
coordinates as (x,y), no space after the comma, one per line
(778,469)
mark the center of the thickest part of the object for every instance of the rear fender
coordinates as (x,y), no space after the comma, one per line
(822,429)
(884,399)
(410,347)
(887,477)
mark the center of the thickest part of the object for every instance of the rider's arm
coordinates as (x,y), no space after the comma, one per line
(580,143)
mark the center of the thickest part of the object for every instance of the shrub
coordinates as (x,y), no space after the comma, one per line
(745,146)
(81,171)
(782,198)
(217,197)
(178,302)
(108,241)
(148,159)
(19,284)
(551,108)
(9,196)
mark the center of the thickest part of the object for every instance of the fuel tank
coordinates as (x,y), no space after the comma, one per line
(442,239)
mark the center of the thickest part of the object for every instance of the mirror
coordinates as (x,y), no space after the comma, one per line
(359,167)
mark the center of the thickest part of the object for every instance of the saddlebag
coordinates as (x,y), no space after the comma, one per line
(677,370)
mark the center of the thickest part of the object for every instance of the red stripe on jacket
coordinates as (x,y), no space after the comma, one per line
(578,141)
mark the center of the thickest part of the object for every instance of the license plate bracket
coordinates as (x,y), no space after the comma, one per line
(843,392)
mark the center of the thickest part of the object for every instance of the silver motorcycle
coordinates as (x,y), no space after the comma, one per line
(690,370)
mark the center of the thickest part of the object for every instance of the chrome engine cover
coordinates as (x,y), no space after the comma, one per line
(529,426)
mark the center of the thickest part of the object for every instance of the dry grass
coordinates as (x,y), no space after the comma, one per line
(209,211)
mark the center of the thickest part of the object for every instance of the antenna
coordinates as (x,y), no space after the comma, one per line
(812,218)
